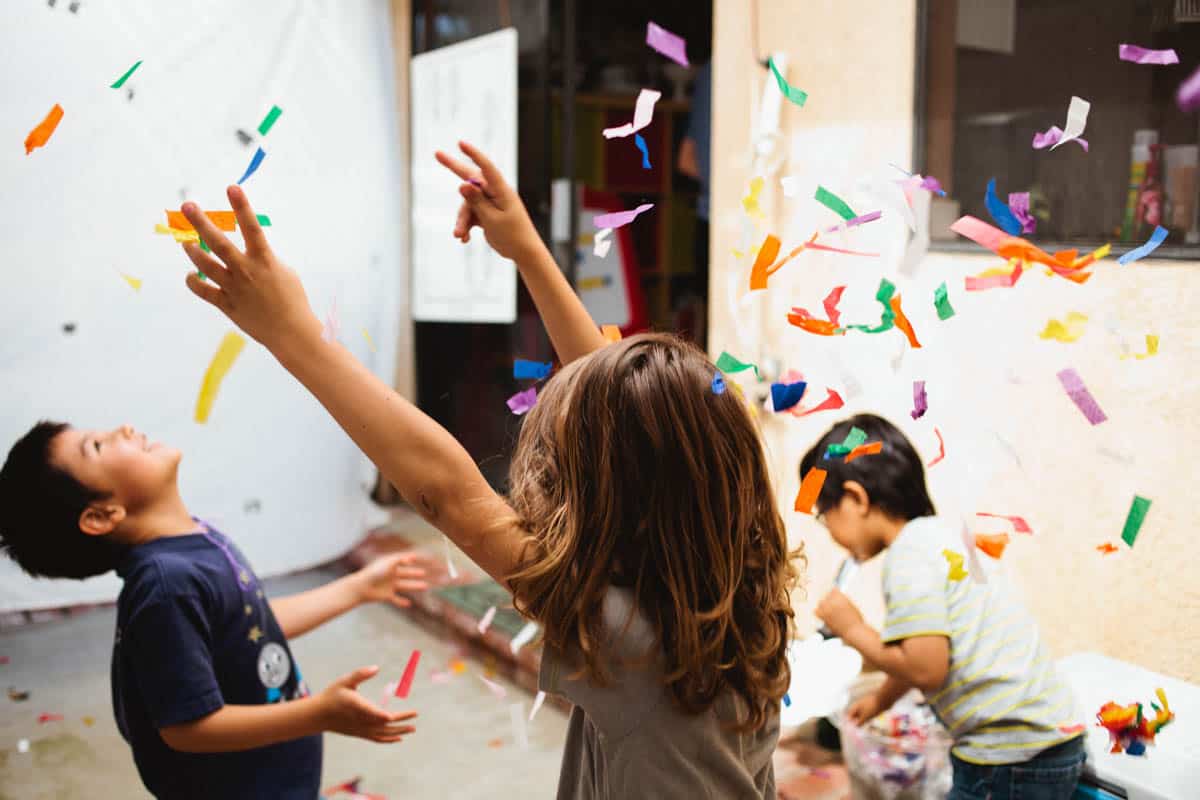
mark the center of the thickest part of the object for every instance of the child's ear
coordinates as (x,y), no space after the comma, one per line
(856,494)
(99,520)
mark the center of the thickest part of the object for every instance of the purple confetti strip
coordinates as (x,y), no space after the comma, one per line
(854,221)
(920,400)
(672,46)
(1019,203)
(1187,97)
(523,401)
(1141,55)
(619,218)
(1079,394)
(1050,138)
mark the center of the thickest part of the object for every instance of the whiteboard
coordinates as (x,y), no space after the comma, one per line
(463,91)
(270,468)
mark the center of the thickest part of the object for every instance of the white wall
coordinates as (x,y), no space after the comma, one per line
(83,207)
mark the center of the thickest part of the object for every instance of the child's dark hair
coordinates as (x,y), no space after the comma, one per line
(894,477)
(40,506)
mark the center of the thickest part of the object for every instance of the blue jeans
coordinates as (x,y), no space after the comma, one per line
(1050,775)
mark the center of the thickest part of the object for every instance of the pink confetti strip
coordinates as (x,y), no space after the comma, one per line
(619,218)
(815,246)
(979,232)
(672,46)
(410,672)
(975,283)
(862,219)
(486,622)
(1052,137)
(941,448)
(521,402)
(1079,394)
(1141,55)
(1019,524)
(1187,96)
(920,400)
(496,688)
(831,304)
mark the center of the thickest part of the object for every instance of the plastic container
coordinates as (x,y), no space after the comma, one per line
(903,754)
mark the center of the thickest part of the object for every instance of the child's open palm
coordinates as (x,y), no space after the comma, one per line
(347,712)
(389,578)
(493,205)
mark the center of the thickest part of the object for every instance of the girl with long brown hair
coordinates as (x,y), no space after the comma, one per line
(640,531)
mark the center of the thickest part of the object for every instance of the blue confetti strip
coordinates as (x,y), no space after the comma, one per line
(1158,237)
(1000,211)
(259,155)
(641,145)
(531,369)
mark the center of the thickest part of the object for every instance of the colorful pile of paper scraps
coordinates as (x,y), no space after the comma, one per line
(1129,729)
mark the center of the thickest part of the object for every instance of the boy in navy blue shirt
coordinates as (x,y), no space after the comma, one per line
(205,688)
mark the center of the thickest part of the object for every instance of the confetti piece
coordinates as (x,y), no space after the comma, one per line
(450,568)
(870,449)
(1052,136)
(786,395)
(802,319)
(1158,237)
(45,717)
(750,201)
(531,369)
(832,400)
(831,304)
(992,543)
(521,402)
(89,721)
(1141,55)
(1065,264)
(496,688)
(902,322)
(718,383)
(643,113)
(269,120)
(1019,524)
(766,255)
(1073,385)
(887,318)
(834,203)
(1005,280)
(1151,348)
(486,622)
(410,672)
(814,246)
(227,352)
(495,744)
(856,221)
(810,490)
(611,333)
(620,218)
(941,448)
(135,283)
(727,364)
(224,220)
(179,236)
(855,438)
(458,666)
(121,80)
(1187,96)
(1072,729)
(263,220)
(523,637)
(792,93)
(663,41)
(787,700)
(601,243)
(516,714)
(1107,548)
(941,301)
(1069,330)
(259,155)
(44,130)
(1135,518)
(641,145)
(370,343)
(537,704)
(1077,115)
(955,560)
(1000,211)
(1018,203)
(18,695)
(22,745)
(920,400)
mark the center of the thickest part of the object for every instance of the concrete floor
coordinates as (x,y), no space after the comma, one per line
(463,747)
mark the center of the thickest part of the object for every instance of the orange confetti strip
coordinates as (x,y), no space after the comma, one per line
(941,448)
(902,322)
(611,332)
(820,327)
(224,220)
(868,449)
(992,543)
(810,489)
(766,255)
(1107,548)
(45,129)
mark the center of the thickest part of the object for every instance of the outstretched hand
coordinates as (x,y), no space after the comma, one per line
(260,294)
(490,203)
(388,578)
(347,712)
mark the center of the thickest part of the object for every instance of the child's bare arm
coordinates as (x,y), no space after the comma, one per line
(430,468)
(339,708)
(494,206)
(922,661)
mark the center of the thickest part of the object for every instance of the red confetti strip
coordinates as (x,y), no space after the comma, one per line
(941,448)
(410,672)
(1019,524)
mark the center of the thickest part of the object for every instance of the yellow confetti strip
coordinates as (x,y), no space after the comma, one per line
(136,283)
(231,346)
(370,343)
(179,235)
(1151,348)
(955,560)
(1066,331)
(750,201)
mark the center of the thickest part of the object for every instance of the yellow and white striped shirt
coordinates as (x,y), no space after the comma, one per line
(1002,700)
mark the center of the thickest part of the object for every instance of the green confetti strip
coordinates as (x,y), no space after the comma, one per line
(1133,522)
(121,80)
(887,320)
(727,363)
(797,96)
(204,246)
(263,220)
(941,299)
(834,203)
(269,120)
(855,438)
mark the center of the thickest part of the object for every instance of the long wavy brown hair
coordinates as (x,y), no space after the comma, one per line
(632,471)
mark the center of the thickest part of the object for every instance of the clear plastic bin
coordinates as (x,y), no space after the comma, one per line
(903,754)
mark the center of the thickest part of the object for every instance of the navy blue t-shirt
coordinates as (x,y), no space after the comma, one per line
(194,633)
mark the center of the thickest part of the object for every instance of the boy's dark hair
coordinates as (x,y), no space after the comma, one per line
(894,477)
(40,505)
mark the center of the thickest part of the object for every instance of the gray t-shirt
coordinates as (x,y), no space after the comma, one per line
(630,739)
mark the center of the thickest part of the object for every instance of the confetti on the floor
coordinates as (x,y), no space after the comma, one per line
(1068,330)
(18,695)
(1073,385)
(44,130)
(227,352)
(46,716)
(22,745)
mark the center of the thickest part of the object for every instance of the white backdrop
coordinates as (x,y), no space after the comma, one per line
(269,468)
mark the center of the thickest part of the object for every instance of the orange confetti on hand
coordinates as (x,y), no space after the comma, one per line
(810,489)
(868,449)
(992,543)
(224,220)
(902,322)
(45,129)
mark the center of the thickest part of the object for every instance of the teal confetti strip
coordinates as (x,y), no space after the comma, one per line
(941,299)
(204,246)
(797,96)
(263,220)
(727,363)
(121,80)
(855,438)
(1133,522)
(269,120)
(834,203)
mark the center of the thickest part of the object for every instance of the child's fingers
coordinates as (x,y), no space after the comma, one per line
(401,716)
(482,206)
(490,174)
(462,225)
(206,291)
(206,263)
(460,169)
(252,232)
(221,246)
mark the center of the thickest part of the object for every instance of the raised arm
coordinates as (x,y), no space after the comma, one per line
(494,206)
(431,469)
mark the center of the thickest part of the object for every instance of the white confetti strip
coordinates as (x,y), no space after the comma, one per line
(537,703)
(523,637)
(450,564)
(486,622)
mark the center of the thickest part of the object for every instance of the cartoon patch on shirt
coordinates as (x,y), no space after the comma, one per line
(274,667)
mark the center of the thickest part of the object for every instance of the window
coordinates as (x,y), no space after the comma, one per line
(995,72)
